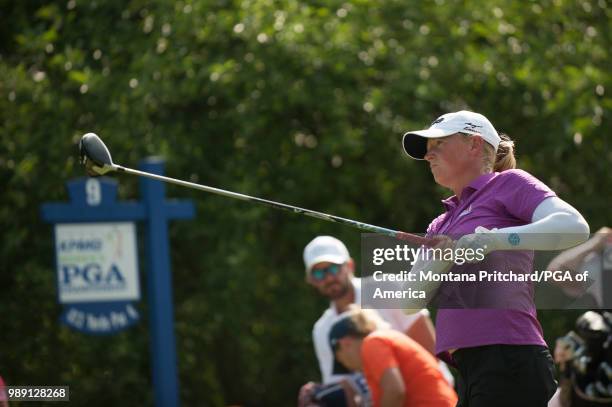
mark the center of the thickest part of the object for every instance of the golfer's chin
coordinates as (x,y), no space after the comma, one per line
(440,179)
(336,291)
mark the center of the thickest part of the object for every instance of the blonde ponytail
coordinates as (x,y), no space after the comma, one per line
(504,158)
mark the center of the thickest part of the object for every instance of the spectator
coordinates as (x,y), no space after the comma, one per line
(587,256)
(330,270)
(399,371)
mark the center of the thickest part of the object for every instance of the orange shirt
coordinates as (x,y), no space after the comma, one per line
(425,385)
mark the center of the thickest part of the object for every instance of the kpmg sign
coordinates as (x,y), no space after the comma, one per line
(96,262)
(96,257)
(97,269)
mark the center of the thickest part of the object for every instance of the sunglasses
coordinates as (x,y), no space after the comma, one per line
(319,274)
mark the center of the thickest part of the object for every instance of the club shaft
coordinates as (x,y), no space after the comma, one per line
(319,215)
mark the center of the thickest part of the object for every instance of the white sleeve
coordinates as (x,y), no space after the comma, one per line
(554,215)
(429,286)
(323,352)
(556,225)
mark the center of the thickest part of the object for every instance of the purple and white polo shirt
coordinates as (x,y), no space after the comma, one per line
(494,200)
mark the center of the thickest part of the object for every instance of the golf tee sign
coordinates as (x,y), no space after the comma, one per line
(97,274)
(97,264)
(96,256)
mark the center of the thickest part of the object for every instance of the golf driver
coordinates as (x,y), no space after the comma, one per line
(97,160)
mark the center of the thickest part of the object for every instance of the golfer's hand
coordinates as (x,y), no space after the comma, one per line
(442,242)
(429,264)
(604,237)
(483,240)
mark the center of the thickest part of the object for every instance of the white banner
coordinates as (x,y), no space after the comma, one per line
(97,262)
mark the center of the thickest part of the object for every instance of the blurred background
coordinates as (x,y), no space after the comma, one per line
(299,102)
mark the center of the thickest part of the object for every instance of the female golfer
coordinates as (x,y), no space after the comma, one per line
(490,331)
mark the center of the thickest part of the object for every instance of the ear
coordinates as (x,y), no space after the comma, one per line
(309,280)
(350,263)
(477,144)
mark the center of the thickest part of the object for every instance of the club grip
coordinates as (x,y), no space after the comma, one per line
(412,238)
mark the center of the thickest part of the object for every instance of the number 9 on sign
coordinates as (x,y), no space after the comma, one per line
(93,192)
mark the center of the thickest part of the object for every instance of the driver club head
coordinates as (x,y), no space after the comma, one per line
(94,155)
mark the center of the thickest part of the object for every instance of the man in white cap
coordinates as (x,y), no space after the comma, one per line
(330,270)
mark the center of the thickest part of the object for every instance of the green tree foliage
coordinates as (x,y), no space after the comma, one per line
(300,102)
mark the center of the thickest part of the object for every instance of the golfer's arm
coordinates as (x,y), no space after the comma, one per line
(392,388)
(427,285)
(555,225)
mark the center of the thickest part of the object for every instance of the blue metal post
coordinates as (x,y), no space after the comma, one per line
(163,347)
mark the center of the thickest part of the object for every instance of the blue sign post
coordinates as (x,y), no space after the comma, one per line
(93,201)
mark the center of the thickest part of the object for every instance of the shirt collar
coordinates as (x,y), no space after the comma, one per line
(477,183)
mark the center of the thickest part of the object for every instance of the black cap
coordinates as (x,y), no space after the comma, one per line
(415,146)
(344,326)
